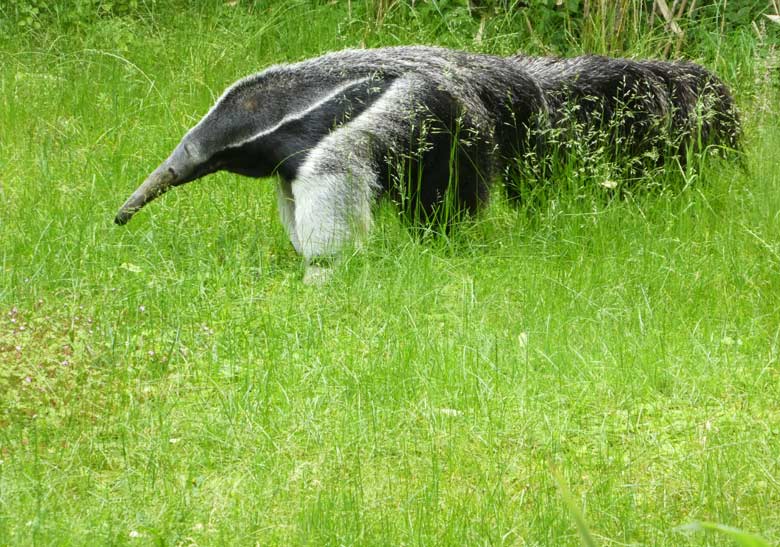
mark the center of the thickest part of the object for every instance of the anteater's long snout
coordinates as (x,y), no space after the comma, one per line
(156,184)
(175,170)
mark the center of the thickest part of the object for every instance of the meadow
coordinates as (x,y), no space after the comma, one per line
(172,382)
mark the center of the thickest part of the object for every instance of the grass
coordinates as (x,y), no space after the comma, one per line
(174,383)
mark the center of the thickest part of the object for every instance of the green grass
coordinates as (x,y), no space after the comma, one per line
(172,382)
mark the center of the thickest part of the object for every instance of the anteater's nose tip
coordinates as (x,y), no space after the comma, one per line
(121,218)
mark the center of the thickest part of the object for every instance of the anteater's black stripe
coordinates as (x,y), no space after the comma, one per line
(284,150)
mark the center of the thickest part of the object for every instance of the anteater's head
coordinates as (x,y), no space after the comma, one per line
(229,137)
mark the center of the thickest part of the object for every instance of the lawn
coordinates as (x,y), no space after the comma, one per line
(173,382)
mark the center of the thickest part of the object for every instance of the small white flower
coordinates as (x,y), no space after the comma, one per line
(609,184)
(522,339)
(142,308)
(130,267)
(450,412)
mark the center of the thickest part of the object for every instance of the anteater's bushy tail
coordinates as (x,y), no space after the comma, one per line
(643,106)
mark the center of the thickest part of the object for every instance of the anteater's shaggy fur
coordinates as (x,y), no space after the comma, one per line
(425,123)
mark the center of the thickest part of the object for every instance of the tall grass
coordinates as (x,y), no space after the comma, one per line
(173,382)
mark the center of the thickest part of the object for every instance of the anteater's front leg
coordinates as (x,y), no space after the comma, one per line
(332,199)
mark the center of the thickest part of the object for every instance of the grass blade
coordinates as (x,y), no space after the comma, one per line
(582,527)
(742,538)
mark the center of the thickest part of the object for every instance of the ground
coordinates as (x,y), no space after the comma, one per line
(173,382)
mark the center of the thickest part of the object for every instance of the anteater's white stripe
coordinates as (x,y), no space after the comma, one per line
(298,115)
(290,117)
